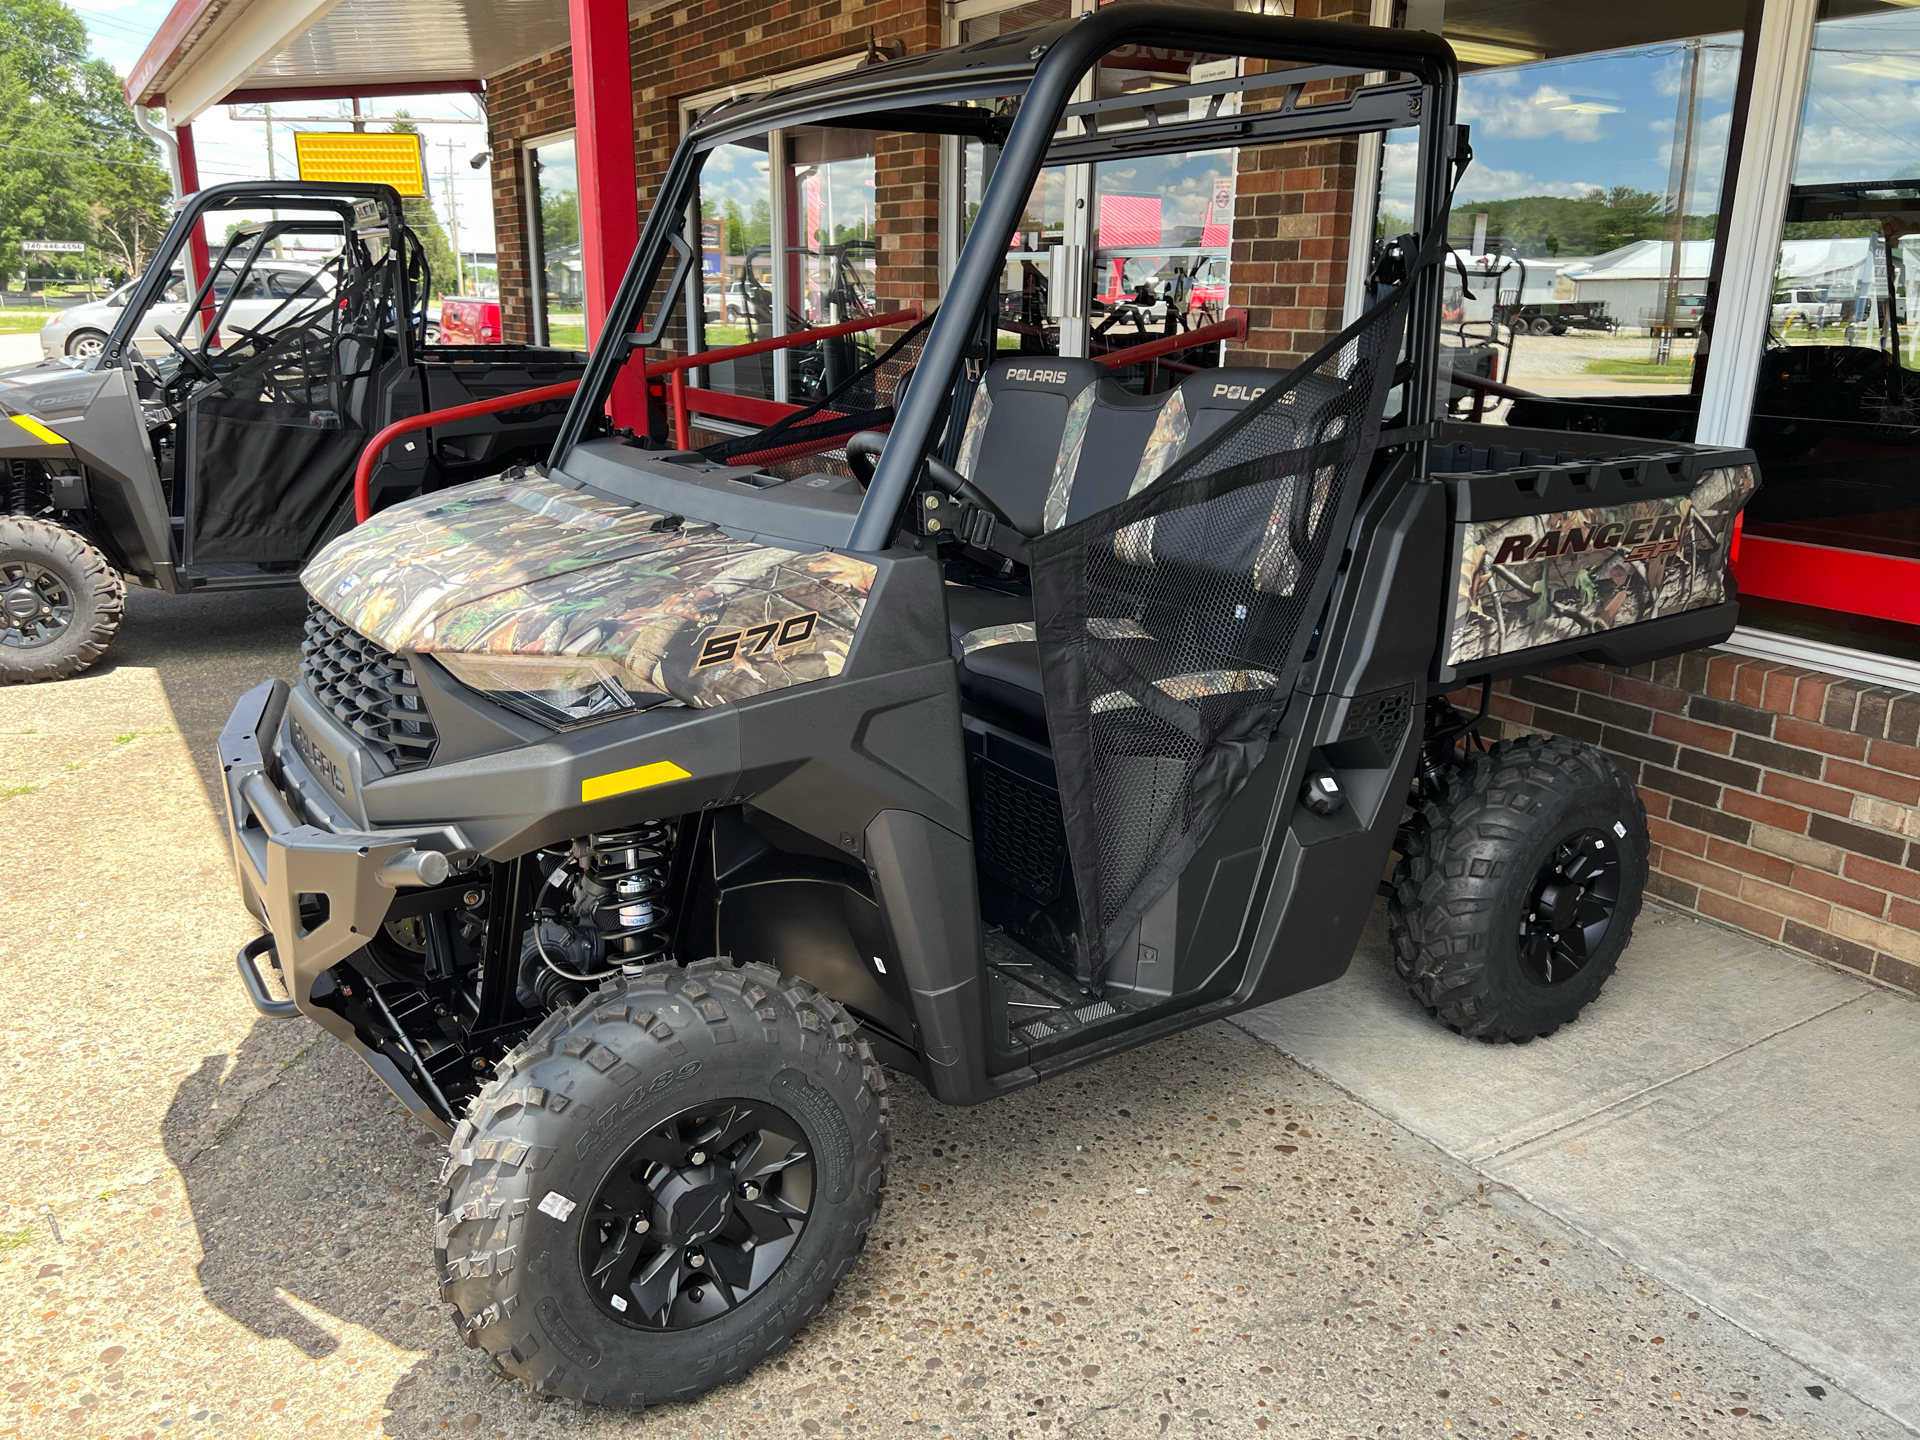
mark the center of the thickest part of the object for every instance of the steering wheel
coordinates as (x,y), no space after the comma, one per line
(862,450)
(191,357)
(864,447)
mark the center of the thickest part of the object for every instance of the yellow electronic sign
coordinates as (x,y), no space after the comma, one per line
(359,158)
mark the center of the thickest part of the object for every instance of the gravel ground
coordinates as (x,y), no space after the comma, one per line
(212,1224)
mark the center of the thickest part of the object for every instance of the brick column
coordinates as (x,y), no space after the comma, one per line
(1292,215)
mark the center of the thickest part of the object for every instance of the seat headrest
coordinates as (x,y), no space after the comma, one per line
(1054,374)
(1228,388)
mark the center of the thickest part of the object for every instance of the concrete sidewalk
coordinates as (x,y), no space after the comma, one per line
(1742,1123)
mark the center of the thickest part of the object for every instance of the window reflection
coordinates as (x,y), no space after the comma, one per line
(561,293)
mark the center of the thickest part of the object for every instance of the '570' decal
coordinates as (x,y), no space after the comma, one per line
(725,645)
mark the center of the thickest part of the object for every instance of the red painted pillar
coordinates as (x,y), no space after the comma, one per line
(604,153)
(199,261)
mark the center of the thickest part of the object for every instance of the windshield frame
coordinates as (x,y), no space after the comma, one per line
(1038,71)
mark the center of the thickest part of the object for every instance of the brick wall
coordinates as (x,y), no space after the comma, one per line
(530,100)
(1292,217)
(691,50)
(1781,801)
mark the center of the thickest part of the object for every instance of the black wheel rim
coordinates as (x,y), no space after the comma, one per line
(36,607)
(698,1215)
(1570,907)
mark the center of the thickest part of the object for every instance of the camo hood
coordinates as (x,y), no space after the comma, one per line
(525,566)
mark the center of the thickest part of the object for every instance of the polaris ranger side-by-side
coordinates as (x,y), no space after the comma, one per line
(984,716)
(226,460)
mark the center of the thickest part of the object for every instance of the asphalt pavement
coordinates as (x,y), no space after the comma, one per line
(214,1224)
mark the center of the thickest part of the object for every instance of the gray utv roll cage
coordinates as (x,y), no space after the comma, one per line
(943,93)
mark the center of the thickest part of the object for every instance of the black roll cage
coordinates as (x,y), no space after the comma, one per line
(350,201)
(940,93)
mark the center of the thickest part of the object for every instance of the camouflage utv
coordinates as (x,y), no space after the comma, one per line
(994,711)
(221,456)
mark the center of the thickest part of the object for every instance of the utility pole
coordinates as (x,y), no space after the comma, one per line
(453,223)
(271,173)
(1679,184)
(359,125)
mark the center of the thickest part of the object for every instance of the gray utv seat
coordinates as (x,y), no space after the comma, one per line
(1124,443)
(1009,449)
(1092,462)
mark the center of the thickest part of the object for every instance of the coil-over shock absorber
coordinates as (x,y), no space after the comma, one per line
(623,890)
(609,914)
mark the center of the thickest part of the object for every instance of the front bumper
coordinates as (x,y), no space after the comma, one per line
(319,887)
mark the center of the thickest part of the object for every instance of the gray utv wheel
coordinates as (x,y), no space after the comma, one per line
(60,601)
(664,1184)
(1518,887)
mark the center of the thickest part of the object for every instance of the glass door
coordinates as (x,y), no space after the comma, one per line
(559,288)
(1832,547)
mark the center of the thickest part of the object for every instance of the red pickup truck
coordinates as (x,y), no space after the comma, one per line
(465,320)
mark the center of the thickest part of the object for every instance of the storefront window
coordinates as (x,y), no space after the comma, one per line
(736,230)
(1028,316)
(559,297)
(1836,420)
(979,23)
(1585,233)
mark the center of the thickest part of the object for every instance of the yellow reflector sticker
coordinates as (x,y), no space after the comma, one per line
(39,432)
(638,778)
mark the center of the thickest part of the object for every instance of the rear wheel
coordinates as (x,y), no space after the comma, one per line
(1518,888)
(60,601)
(665,1183)
(1541,325)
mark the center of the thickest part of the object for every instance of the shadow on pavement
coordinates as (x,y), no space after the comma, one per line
(317,1190)
(209,648)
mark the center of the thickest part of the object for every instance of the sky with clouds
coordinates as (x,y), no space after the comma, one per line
(1559,127)
(1563,127)
(236,150)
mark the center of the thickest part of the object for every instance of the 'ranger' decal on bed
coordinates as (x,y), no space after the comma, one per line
(1540,579)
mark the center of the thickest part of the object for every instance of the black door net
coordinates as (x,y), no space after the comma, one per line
(273,442)
(1170,626)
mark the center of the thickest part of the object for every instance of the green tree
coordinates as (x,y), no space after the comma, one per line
(76,166)
(424,222)
(1591,224)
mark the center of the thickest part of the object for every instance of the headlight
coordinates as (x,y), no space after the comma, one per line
(557,690)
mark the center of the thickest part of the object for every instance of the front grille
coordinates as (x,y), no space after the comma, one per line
(369,690)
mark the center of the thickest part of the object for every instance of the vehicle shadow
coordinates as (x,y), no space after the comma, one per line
(209,649)
(311,1192)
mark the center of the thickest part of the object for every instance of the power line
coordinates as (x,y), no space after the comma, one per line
(89,159)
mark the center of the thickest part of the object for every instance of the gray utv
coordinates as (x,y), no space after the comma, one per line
(994,712)
(225,458)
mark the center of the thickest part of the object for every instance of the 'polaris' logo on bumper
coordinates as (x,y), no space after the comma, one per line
(318,761)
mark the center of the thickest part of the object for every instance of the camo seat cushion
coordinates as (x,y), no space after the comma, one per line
(1014,431)
(1205,402)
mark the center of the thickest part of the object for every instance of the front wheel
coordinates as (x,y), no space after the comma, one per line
(1518,887)
(664,1184)
(60,601)
(86,344)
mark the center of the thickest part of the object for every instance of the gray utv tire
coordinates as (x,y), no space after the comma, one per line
(86,599)
(1518,887)
(659,1065)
